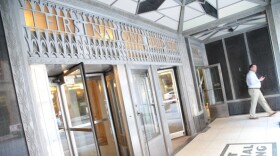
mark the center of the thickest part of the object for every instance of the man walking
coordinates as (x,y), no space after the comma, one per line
(254,85)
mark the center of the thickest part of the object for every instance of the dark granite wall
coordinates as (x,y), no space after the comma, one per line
(260,53)
(215,54)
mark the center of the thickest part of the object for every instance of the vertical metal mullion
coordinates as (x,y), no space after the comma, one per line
(83,76)
(178,97)
(143,122)
(229,70)
(110,114)
(247,48)
(222,83)
(189,51)
(67,131)
(271,15)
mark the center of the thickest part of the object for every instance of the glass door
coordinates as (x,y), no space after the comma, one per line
(60,119)
(118,113)
(171,103)
(212,91)
(102,115)
(147,113)
(78,114)
(84,115)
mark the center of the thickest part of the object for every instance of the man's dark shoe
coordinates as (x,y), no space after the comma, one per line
(253,118)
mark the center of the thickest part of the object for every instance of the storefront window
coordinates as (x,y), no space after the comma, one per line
(12,141)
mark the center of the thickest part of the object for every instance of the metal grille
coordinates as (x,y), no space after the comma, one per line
(55,31)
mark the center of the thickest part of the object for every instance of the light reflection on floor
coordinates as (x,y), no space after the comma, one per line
(237,129)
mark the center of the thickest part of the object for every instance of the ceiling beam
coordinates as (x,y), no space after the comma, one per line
(224,20)
(260,2)
(179,2)
(234,33)
(182,16)
(212,34)
(234,24)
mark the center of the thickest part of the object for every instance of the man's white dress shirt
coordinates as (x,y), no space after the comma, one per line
(252,80)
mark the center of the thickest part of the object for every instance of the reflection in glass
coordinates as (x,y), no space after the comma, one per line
(101,115)
(85,143)
(216,84)
(59,120)
(116,102)
(64,142)
(76,101)
(105,138)
(213,87)
(170,100)
(12,141)
(57,109)
(203,90)
(97,98)
(146,105)
(210,87)
(78,115)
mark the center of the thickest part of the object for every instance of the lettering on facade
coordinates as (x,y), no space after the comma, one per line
(250,149)
(70,21)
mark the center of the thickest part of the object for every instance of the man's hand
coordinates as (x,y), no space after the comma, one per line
(262,78)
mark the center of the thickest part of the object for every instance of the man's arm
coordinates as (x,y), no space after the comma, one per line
(262,78)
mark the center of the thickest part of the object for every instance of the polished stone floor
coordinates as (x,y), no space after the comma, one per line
(178,142)
(237,136)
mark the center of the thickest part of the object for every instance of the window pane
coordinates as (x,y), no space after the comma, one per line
(85,143)
(171,100)
(214,86)
(145,102)
(76,101)
(59,119)
(116,102)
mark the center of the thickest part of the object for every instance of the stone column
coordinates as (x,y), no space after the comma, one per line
(13,22)
(188,95)
(45,110)
(273,17)
(123,82)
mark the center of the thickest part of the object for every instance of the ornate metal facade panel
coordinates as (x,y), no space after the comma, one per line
(55,32)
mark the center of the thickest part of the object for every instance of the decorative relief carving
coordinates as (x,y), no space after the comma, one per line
(55,31)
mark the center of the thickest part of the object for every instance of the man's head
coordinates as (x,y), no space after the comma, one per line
(253,67)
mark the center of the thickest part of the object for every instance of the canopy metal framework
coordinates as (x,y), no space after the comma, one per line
(204,20)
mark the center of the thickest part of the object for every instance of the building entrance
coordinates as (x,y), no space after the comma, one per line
(83,114)
(212,91)
(171,102)
(147,111)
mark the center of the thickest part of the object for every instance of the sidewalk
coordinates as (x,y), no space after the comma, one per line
(263,136)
